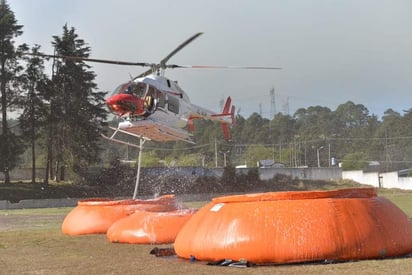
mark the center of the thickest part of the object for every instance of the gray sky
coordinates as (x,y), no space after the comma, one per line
(330,51)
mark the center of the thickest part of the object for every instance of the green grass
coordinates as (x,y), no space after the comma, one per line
(31,243)
(403,199)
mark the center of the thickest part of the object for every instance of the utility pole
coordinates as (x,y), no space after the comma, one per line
(272,103)
(320,148)
(329,154)
(215,152)
(286,106)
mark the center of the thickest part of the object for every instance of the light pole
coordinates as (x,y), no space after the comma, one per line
(224,156)
(329,154)
(317,151)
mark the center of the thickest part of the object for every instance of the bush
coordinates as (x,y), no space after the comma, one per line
(354,161)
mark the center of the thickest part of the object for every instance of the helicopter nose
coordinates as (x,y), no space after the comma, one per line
(114,105)
(124,104)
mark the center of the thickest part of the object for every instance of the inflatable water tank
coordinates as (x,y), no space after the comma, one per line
(143,227)
(95,216)
(292,227)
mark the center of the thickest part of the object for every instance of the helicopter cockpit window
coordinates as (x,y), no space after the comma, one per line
(137,89)
(118,89)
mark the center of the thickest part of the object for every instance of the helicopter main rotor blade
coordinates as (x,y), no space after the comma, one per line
(173,66)
(154,66)
(116,62)
(78,58)
(181,46)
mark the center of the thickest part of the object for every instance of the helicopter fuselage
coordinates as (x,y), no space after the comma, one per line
(156,107)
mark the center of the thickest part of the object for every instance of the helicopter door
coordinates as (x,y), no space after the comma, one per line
(173,104)
(162,99)
(150,101)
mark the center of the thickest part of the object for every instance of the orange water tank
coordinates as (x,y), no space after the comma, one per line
(94,216)
(143,227)
(290,227)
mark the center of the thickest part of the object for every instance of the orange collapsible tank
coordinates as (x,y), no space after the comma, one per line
(94,216)
(144,227)
(290,227)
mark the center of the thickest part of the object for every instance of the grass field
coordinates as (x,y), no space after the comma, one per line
(31,243)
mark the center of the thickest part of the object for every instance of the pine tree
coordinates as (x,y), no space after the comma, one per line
(76,113)
(9,142)
(34,104)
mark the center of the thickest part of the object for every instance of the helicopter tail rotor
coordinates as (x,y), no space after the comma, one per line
(225,126)
(226,118)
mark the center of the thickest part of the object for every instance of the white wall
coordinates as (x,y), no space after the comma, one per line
(405,183)
(363,178)
(390,180)
(387,180)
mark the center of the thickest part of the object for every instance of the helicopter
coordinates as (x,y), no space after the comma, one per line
(153,107)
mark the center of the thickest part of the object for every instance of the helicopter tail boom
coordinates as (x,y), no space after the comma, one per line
(226,118)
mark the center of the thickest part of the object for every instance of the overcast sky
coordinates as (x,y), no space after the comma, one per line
(329,51)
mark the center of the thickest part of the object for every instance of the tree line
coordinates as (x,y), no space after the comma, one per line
(62,115)
(312,137)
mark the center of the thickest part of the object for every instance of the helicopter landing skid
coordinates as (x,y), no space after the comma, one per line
(151,130)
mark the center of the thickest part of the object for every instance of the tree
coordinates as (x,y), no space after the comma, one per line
(391,127)
(351,115)
(238,129)
(253,128)
(253,154)
(314,122)
(354,128)
(9,142)
(314,125)
(33,118)
(282,128)
(76,115)
(355,161)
